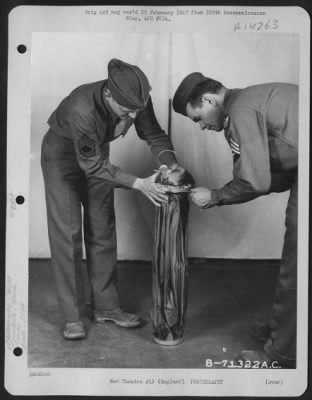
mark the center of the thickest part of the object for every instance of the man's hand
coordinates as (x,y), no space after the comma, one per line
(201,196)
(151,190)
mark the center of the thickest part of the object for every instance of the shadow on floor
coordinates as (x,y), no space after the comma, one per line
(225,297)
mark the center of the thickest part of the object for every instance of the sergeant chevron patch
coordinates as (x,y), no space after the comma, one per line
(235,149)
(86,146)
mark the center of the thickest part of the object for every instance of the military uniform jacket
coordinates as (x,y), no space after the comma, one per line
(262,131)
(86,118)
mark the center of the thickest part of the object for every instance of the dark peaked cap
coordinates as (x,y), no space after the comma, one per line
(128,84)
(183,92)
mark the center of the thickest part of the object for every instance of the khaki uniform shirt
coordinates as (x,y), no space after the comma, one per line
(86,118)
(262,131)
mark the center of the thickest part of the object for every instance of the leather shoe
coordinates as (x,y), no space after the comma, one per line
(118,316)
(74,330)
(260,331)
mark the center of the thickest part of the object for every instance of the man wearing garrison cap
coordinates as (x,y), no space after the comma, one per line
(260,124)
(77,171)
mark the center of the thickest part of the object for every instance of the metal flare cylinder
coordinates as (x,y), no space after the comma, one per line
(170,266)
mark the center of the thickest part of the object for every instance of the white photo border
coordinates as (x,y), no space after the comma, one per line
(21,380)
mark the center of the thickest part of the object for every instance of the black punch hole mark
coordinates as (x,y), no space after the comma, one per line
(18,351)
(21,48)
(20,199)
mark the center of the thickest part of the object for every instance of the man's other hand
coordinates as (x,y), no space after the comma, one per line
(152,190)
(201,196)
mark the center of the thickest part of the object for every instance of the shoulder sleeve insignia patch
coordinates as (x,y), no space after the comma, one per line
(86,146)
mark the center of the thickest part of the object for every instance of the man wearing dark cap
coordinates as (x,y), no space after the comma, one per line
(77,171)
(260,124)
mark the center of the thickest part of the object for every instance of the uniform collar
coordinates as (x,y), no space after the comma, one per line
(226,122)
(114,117)
(229,96)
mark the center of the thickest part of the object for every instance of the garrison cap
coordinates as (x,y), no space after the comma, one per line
(183,92)
(128,84)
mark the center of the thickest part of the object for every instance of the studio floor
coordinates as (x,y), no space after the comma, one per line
(225,298)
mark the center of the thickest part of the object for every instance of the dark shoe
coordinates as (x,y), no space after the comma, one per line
(118,316)
(74,330)
(260,331)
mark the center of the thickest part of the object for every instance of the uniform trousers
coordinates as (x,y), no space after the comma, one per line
(282,344)
(79,207)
